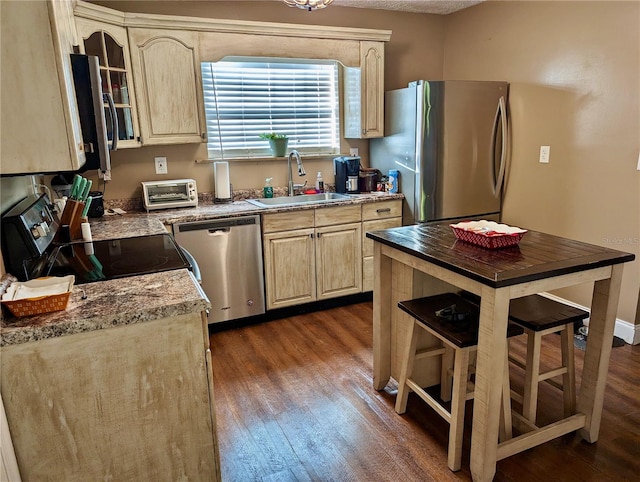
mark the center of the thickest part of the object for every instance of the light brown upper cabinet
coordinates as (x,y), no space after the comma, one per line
(40,130)
(364,94)
(110,44)
(166,69)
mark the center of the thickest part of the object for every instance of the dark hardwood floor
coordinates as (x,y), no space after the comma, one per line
(294,402)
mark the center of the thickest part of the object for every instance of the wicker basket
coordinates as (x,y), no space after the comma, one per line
(41,304)
(481,234)
(37,306)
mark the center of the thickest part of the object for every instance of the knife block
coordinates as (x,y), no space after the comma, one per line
(72,217)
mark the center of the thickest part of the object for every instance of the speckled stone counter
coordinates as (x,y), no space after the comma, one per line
(238,208)
(141,298)
(112,303)
(125,226)
(136,223)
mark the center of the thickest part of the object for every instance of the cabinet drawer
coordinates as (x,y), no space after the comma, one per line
(367,244)
(287,221)
(338,215)
(380,210)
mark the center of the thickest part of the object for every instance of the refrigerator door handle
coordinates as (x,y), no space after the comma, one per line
(501,116)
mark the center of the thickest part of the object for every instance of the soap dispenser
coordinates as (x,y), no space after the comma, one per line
(267,191)
(319,183)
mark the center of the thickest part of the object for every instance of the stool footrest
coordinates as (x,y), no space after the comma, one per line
(552,373)
(541,435)
(432,402)
(427,352)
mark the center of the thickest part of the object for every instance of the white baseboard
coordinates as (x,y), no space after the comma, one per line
(629,332)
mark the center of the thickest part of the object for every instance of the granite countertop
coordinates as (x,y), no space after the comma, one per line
(112,303)
(142,298)
(239,208)
(136,223)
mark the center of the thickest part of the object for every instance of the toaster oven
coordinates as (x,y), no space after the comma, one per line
(178,193)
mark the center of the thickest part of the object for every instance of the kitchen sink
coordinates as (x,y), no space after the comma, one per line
(298,200)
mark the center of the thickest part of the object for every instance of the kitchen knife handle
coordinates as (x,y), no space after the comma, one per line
(86,190)
(74,187)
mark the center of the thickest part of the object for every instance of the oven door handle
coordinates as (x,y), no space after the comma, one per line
(195,269)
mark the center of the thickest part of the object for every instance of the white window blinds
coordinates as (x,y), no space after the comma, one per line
(247,97)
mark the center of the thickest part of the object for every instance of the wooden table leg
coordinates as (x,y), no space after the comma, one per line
(381,318)
(492,343)
(604,306)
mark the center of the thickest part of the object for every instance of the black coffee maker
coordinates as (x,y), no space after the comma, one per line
(347,170)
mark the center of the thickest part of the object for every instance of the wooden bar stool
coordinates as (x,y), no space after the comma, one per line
(459,339)
(540,316)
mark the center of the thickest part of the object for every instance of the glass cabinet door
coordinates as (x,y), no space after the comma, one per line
(109,44)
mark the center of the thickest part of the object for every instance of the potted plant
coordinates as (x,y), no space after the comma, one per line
(277,142)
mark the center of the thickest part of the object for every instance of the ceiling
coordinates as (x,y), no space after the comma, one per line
(440,7)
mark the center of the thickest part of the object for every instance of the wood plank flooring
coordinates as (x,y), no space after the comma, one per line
(294,402)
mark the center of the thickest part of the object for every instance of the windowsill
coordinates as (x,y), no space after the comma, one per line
(314,157)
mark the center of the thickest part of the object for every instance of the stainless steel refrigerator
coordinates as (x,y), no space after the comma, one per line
(448,141)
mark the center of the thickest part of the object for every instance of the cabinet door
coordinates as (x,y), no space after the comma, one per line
(110,44)
(166,69)
(372,64)
(364,94)
(290,268)
(367,247)
(40,128)
(115,401)
(339,260)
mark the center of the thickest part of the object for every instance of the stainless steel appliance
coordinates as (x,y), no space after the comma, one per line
(178,193)
(229,255)
(347,172)
(448,140)
(96,132)
(27,231)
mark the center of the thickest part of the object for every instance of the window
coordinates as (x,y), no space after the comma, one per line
(245,97)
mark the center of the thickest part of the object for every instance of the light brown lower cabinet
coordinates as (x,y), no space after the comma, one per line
(312,255)
(375,217)
(132,402)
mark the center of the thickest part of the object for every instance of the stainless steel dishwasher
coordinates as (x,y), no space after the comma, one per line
(229,255)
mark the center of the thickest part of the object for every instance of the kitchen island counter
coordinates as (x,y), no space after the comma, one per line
(540,263)
(111,303)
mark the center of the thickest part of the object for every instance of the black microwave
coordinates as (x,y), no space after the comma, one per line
(98,135)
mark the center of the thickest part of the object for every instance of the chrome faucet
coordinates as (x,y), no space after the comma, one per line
(301,171)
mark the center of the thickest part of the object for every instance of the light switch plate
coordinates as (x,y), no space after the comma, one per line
(544,154)
(638,162)
(161,165)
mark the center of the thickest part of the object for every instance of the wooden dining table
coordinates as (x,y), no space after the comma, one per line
(417,260)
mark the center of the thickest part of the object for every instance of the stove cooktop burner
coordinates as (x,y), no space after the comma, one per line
(110,259)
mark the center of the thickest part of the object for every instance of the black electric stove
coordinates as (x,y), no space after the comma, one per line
(111,259)
(28,233)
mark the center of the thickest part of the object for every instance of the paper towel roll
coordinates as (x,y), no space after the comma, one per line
(221,175)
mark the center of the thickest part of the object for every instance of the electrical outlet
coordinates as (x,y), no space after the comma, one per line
(544,154)
(161,165)
(105,175)
(638,162)
(353,151)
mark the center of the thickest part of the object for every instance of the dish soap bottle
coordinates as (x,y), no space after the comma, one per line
(319,182)
(267,190)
